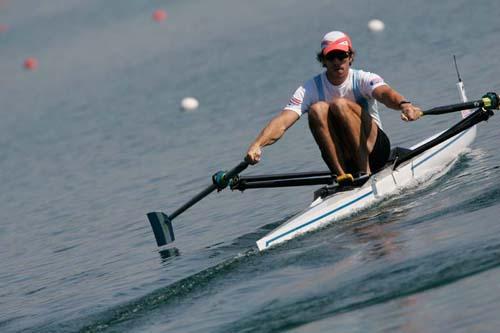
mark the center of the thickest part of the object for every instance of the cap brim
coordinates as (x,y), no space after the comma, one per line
(335,47)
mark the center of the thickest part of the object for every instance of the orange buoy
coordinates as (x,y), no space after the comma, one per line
(31,63)
(159,15)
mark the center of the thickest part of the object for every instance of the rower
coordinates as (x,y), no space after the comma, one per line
(341,104)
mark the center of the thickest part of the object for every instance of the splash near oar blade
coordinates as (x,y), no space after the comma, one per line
(162,228)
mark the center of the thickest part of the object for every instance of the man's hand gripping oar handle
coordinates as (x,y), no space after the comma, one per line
(162,223)
(489,101)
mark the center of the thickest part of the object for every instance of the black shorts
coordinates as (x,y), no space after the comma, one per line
(380,153)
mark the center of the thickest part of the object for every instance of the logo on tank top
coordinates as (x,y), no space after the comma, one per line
(376,80)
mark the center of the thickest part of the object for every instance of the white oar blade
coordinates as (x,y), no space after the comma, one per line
(162,228)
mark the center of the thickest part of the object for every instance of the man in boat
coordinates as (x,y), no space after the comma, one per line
(342,110)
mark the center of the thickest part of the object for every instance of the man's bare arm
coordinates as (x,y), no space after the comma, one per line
(392,99)
(273,131)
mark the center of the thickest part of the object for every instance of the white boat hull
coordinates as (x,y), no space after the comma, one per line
(323,211)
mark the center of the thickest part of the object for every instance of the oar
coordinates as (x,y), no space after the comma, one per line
(481,114)
(489,101)
(162,223)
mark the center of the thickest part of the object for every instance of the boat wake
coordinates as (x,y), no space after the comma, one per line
(349,291)
(136,313)
(390,282)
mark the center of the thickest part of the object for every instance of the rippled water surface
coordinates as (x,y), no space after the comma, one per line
(94,139)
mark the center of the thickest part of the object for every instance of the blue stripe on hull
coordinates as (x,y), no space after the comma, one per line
(360,197)
(439,150)
(320,217)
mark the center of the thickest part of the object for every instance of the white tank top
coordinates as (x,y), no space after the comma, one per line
(358,87)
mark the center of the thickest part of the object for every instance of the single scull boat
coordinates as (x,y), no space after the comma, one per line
(406,167)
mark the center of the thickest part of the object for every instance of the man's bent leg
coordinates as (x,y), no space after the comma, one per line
(321,131)
(356,129)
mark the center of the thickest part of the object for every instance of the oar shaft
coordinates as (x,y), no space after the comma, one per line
(236,170)
(454,107)
(194,200)
(227,176)
(490,100)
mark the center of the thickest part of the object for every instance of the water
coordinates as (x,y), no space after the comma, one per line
(94,139)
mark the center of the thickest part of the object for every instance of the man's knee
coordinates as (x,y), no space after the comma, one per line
(318,112)
(340,107)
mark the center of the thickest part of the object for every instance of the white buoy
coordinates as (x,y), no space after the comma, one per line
(189,104)
(376,25)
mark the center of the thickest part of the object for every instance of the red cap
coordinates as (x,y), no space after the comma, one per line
(336,40)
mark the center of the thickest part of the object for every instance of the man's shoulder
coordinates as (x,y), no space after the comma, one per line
(370,78)
(363,73)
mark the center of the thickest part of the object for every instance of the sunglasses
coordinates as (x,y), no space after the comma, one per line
(337,55)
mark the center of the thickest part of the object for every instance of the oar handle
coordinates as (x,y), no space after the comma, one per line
(237,169)
(489,101)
